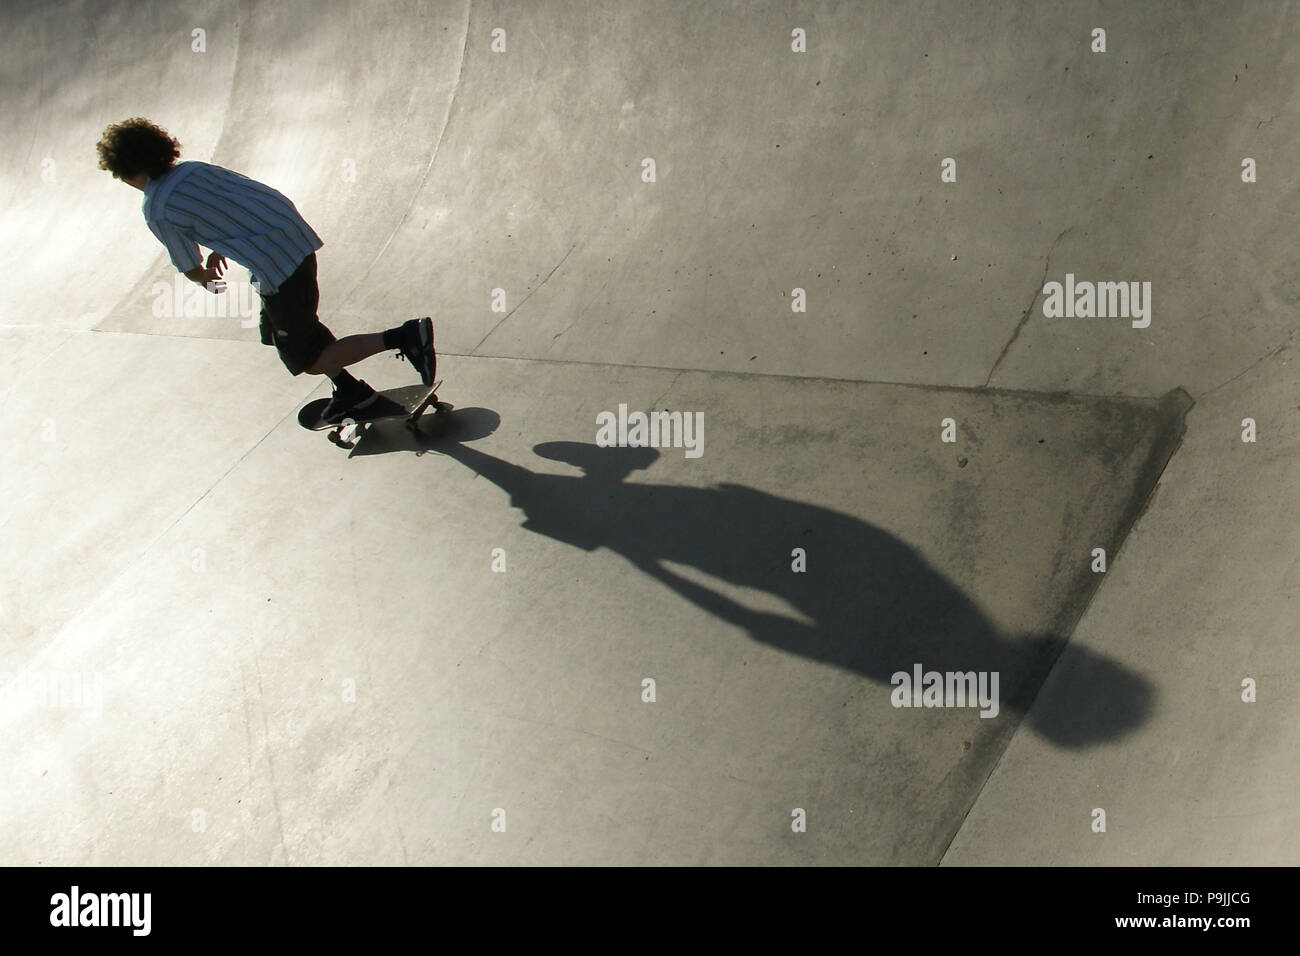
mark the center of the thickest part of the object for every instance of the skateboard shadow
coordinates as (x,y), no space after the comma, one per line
(871,604)
(435,432)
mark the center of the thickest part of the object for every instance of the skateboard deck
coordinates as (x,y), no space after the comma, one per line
(407,403)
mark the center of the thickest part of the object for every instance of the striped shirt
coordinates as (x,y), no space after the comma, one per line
(198,204)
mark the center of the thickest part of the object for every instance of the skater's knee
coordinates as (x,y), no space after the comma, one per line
(323,364)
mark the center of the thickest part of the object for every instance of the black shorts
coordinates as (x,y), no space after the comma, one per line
(289,320)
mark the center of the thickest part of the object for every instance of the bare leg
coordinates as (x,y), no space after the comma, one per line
(347,350)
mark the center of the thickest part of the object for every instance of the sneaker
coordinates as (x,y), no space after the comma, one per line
(417,348)
(349,404)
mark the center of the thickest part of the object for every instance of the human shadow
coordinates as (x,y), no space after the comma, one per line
(871,604)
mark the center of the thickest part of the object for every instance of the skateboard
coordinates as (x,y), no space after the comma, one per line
(408,403)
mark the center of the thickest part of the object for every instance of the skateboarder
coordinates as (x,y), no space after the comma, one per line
(194,204)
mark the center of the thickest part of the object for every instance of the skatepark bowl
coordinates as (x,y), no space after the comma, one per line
(874,438)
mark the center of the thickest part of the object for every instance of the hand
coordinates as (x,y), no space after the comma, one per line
(216,269)
(210,277)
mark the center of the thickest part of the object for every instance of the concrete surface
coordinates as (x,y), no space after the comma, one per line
(271,651)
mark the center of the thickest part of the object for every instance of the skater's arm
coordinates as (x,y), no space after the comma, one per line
(210,276)
(187,257)
(183,250)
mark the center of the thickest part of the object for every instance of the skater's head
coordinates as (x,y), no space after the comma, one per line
(136,151)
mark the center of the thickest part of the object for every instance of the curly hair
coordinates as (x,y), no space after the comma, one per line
(137,146)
